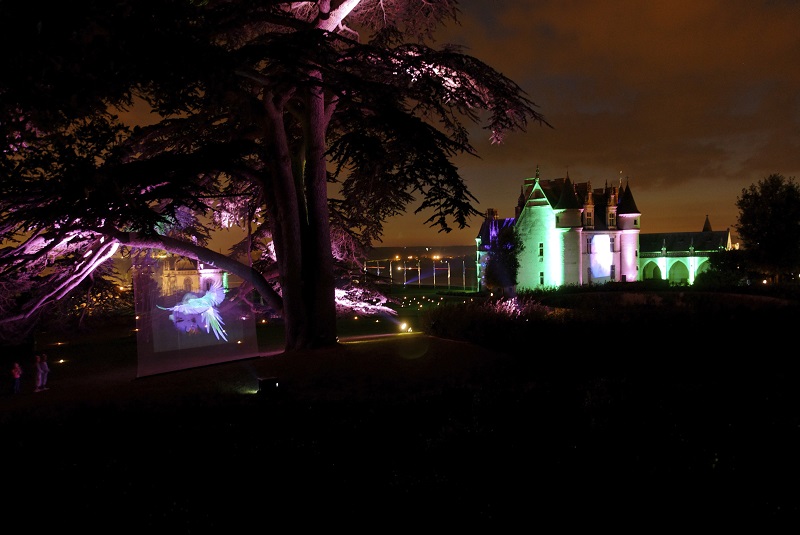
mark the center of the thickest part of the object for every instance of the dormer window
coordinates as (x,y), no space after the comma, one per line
(612,219)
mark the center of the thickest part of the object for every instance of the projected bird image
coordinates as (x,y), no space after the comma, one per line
(194,313)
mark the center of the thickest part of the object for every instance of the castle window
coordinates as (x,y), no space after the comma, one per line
(612,243)
(589,219)
(612,219)
(541,278)
(588,245)
(613,272)
(541,249)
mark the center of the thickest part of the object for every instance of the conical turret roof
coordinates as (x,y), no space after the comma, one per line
(626,203)
(568,198)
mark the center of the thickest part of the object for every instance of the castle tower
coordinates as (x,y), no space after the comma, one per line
(628,223)
(569,229)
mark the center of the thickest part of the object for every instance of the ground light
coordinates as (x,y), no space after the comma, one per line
(268,387)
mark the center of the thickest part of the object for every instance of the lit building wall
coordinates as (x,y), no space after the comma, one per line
(629,255)
(573,259)
(600,258)
(542,251)
(662,266)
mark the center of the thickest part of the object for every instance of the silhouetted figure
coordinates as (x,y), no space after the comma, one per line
(45,368)
(38,371)
(16,373)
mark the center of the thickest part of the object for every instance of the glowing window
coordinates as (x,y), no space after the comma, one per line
(612,219)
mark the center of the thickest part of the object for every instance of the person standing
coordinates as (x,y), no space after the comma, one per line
(38,373)
(16,373)
(45,372)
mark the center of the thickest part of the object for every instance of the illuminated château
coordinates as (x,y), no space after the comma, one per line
(574,234)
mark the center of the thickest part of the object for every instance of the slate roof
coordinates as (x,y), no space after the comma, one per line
(568,198)
(680,242)
(575,196)
(626,203)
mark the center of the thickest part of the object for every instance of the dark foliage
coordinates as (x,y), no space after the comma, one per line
(769,225)
(503,259)
(562,317)
(258,110)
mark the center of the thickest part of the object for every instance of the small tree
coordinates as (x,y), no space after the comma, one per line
(725,269)
(503,260)
(769,225)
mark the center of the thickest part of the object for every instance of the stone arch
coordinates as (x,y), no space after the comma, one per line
(678,273)
(651,271)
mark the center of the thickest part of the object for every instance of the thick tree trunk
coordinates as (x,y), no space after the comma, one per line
(285,221)
(318,269)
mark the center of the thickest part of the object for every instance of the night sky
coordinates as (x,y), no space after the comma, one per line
(688,101)
(691,101)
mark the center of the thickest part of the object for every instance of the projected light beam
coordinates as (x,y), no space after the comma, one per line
(194,313)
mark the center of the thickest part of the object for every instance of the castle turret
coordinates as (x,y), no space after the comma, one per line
(628,223)
(628,213)
(568,208)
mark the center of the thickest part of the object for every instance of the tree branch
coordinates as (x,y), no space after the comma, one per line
(207,256)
